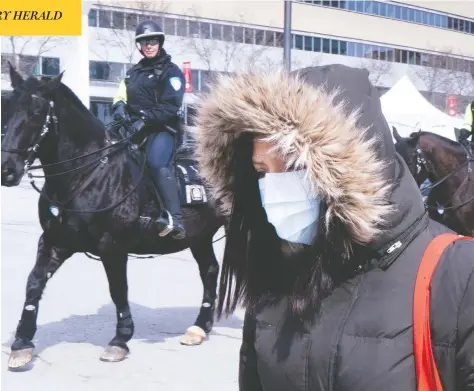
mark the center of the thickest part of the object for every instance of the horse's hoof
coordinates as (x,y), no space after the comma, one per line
(194,336)
(19,358)
(114,354)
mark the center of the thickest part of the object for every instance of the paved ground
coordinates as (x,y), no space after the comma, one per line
(77,319)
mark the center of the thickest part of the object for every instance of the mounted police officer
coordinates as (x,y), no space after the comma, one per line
(150,98)
(468,126)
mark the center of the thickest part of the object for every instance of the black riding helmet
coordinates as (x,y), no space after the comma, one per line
(149,29)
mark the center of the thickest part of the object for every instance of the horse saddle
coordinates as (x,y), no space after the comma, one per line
(190,184)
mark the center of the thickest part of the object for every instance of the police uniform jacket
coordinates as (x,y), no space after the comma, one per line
(156,87)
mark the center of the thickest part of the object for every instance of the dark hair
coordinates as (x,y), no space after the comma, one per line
(258,267)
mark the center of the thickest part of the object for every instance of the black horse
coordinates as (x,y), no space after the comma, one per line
(5,103)
(448,165)
(94,200)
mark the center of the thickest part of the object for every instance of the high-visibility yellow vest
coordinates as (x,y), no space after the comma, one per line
(468,118)
(121,93)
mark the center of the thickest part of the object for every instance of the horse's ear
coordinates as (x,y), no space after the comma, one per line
(15,78)
(54,83)
(396,135)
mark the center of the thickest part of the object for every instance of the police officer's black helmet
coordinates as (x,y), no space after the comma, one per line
(149,29)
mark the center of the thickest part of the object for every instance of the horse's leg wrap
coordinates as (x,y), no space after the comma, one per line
(116,269)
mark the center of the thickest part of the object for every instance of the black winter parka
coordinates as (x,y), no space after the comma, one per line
(362,337)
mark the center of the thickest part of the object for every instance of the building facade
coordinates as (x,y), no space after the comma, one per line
(433,46)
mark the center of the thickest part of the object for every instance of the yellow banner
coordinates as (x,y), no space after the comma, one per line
(41,17)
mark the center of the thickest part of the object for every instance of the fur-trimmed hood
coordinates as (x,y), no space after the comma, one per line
(327,120)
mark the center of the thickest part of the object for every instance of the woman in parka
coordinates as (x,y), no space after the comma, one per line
(327,230)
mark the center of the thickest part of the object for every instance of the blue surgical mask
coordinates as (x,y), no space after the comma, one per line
(291,205)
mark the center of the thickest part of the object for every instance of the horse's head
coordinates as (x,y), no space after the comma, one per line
(408,148)
(28,122)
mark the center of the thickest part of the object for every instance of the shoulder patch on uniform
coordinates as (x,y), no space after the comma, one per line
(175,83)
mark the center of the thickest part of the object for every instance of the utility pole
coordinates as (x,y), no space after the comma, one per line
(287,36)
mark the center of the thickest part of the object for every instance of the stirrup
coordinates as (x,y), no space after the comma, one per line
(169,227)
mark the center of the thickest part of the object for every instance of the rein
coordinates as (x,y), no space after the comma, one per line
(421,162)
(52,122)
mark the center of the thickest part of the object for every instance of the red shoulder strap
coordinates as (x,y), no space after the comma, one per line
(426,371)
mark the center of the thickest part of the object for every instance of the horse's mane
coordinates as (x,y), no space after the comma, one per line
(448,143)
(72,97)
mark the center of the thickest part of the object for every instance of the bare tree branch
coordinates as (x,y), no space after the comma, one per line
(378,70)
(26,51)
(435,74)
(218,49)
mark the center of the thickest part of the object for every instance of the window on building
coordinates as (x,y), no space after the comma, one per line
(269,38)
(93,18)
(249,35)
(182,28)
(157,18)
(131,21)
(398,55)
(343,48)
(191,114)
(398,12)
(326,45)
(404,57)
(193,29)
(118,20)
(308,44)
(298,42)
(217,31)
(238,34)
(170,26)
(390,55)
(279,39)
(367,50)
(334,46)
(260,37)
(195,79)
(227,33)
(206,78)
(98,70)
(432,19)
(105,18)
(107,71)
(205,30)
(29,65)
(6,57)
(102,110)
(50,66)
(317,44)
(375,8)
(390,11)
(382,51)
(351,49)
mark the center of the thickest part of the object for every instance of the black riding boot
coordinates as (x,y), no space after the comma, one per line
(168,189)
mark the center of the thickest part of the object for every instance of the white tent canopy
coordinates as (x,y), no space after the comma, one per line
(407,109)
